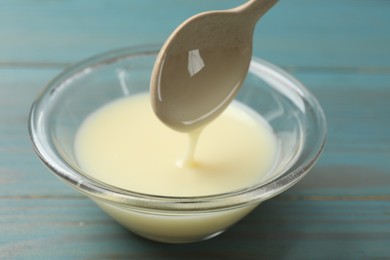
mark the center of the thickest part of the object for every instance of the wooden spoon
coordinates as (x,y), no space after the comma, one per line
(202,65)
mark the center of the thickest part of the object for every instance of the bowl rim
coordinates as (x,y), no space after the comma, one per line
(145,202)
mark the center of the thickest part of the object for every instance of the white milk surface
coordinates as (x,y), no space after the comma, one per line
(125,145)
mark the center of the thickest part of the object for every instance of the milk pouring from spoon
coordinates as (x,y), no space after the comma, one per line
(201,67)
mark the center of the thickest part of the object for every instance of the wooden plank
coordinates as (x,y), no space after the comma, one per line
(77,229)
(21,173)
(355,162)
(301,33)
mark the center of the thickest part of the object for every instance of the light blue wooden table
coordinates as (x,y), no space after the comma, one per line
(340,49)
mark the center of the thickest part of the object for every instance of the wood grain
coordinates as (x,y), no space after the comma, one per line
(302,33)
(76,229)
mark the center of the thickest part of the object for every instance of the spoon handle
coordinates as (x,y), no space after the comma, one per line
(255,8)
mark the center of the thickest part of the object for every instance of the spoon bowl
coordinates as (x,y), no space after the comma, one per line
(202,65)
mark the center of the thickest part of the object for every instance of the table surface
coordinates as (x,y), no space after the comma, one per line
(339,49)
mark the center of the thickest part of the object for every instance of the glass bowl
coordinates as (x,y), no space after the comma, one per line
(293,113)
